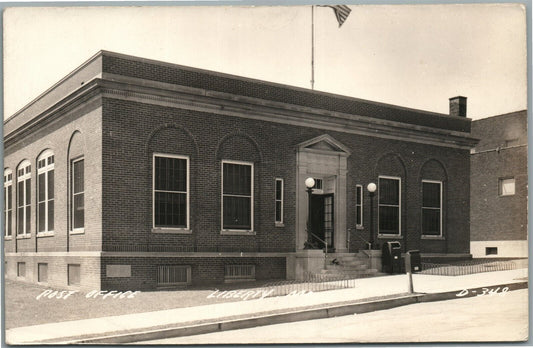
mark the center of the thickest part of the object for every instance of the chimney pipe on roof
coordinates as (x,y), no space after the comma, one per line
(458,106)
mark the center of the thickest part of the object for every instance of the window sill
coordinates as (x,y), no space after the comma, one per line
(390,236)
(237,233)
(171,230)
(45,234)
(78,231)
(359,227)
(432,237)
(24,236)
(279,224)
(8,237)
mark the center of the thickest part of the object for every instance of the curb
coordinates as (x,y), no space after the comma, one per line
(298,315)
(319,313)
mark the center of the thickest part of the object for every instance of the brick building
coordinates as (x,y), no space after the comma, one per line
(498,187)
(132,174)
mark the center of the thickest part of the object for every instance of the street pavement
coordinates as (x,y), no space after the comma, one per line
(500,317)
(387,286)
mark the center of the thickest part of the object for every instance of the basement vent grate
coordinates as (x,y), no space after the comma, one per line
(173,275)
(239,272)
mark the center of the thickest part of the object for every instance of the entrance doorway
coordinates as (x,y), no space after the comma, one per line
(322,218)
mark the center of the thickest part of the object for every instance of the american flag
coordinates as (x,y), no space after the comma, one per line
(341,12)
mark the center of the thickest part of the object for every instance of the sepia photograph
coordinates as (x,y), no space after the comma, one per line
(265,174)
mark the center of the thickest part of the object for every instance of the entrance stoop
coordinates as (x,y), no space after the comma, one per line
(366,263)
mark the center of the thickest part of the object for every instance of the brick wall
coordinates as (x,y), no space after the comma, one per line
(168,73)
(77,133)
(132,131)
(60,137)
(412,162)
(57,270)
(206,270)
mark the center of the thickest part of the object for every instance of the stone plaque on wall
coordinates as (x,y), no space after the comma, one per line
(118,271)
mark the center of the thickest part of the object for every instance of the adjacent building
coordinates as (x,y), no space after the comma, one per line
(131,173)
(499,187)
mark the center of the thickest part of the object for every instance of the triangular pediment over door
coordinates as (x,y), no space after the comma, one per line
(324,143)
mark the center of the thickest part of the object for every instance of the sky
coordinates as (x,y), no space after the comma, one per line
(416,56)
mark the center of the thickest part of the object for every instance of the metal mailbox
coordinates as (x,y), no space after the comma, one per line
(416,261)
(391,257)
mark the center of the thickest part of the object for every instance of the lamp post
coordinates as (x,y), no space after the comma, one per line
(309,184)
(371,189)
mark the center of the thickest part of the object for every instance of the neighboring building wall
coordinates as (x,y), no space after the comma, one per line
(499,221)
(77,133)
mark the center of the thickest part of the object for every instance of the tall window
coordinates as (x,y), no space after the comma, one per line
(24,199)
(8,202)
(78,195)
(431,208)
(171,191)
(389,205)
(237,198)
(45,192)
(359,205)
(279,201)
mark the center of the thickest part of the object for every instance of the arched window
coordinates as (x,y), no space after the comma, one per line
(45,192)
(240,160)
(173,151)
(8,202)
(24,198)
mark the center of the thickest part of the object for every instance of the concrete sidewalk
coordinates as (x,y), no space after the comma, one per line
(373,293)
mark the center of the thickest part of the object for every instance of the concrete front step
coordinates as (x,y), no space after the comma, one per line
(352,259)
(352,262)
(343,276)
(342,267)
(338,272)
(349,258)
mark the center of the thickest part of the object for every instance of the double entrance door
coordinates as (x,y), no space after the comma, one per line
(322,218)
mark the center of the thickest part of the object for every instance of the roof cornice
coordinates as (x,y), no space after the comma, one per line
(62,107)
(158,93)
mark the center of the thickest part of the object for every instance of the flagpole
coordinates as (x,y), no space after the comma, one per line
(312,47)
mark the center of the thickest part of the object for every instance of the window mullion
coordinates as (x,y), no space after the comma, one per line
(46,201)
(24,209)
